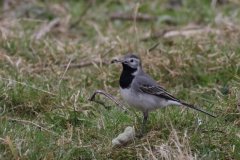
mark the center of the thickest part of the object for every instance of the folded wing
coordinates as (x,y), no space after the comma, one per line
(157,91)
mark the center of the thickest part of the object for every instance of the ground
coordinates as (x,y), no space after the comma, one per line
(44,108)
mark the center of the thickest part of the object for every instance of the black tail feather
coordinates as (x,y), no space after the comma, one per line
(191,106)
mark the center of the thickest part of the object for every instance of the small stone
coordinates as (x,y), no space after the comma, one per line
(224,90)
(123,138)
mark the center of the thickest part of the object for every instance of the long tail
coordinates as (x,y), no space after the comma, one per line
(191,106)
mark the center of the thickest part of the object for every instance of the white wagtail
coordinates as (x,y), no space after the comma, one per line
(142,92)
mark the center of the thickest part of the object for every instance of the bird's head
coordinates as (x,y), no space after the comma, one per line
(129,61)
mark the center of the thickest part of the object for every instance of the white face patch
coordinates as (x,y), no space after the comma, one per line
(137,71)
(132,62)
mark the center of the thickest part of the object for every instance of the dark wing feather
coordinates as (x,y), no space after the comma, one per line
(157,91)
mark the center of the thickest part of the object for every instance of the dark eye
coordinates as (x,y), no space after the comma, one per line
(131,60)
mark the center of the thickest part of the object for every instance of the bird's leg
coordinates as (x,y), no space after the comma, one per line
(145,114)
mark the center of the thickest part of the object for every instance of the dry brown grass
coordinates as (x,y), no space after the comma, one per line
(49,71)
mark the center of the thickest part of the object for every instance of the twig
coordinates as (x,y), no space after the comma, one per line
(135,24)
(197,43)
(28,86)
(100,102)
(32,20)
(235,113)
(3,139)
(81,64)
(39,70)
(153,47)
(190,32)
(47,28)
(25,121)
(157,34)
(213,4)
(108,96)
(84,64)
(213,130)
(167,33)
(65,71)
(140,17)
(109,50)
(126,16)
(88,5)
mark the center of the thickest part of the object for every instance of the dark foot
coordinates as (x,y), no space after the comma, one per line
(139,136)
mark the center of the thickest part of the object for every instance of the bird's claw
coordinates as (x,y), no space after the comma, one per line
(139,136)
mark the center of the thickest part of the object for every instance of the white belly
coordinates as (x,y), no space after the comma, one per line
(143,101)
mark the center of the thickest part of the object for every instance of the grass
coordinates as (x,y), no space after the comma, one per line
(45,114)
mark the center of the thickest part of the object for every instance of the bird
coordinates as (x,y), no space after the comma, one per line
(142,92)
